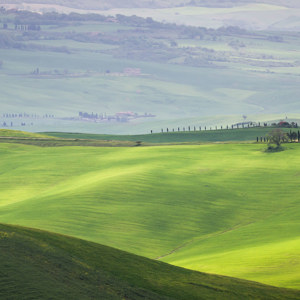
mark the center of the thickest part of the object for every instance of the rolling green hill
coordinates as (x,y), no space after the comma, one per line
(20,134)
(41,265)
(36,139)
(229,209)
(246,134)
(59,139)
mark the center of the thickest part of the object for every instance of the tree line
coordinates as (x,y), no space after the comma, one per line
(26,115)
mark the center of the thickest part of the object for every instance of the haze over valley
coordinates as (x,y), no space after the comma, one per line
(147,145)
(116,64)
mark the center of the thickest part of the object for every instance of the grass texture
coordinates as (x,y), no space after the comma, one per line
(224,135)
(41,265)
(230,209)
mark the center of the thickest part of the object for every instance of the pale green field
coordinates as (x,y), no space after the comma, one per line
(189,11)
(20,134)
(252,15)
(73,45)
(90,27)
(259,79)
(225,208)
(177,95)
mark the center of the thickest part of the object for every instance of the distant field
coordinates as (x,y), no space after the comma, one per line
(89,27)
(249,14)
(41,265)
(247,134)
(60,139)
(164,92)
(185,79)
(228,209)
(73,45)
(20,134)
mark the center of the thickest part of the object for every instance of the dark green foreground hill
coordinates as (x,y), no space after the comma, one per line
(41,265)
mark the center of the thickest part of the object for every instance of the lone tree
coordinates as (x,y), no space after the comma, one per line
(276,137)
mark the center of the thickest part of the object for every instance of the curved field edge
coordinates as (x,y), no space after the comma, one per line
(56,139)
(44,265)
(229,209)
(224,135)
(21,134)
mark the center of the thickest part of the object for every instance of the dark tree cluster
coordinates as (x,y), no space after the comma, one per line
(90,115)
(26,27)
(285,124)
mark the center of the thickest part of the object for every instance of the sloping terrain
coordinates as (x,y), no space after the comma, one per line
(203,136)
(228,209)
(250,14)
(20,134)
(42,265)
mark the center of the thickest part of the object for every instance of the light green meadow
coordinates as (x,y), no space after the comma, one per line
(229,209)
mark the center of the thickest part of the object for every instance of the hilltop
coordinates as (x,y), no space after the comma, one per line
(197,136)
(55,139)
(42,265)
(20,134)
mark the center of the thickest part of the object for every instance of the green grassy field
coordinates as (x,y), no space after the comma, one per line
(58,139)
(228,209)
(20,134)
(246,134)
(42,265)
(36,139)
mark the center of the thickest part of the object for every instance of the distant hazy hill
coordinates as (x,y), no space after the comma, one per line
(249,14)
(109,4)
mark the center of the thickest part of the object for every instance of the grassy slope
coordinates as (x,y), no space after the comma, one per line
(43,265)
(230,209)
(20,134)
(247,134)
(59,139)
(36,139)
